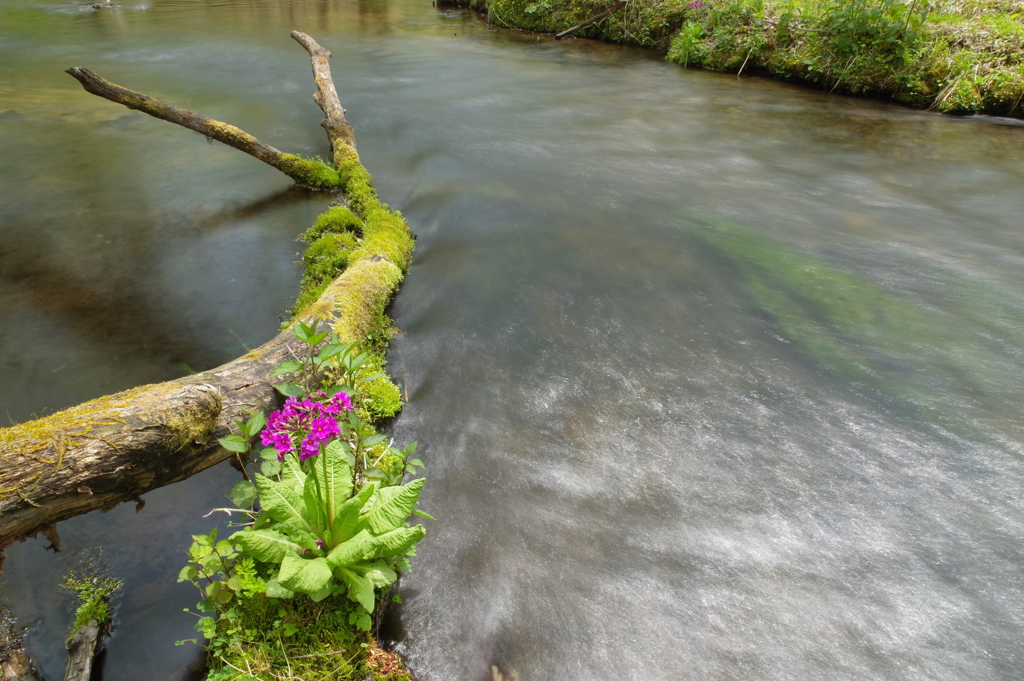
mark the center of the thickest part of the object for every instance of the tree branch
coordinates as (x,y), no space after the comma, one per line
(592,20)
(308,173)
(337,126)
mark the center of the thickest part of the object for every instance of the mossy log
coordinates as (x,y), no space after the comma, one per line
(115,448)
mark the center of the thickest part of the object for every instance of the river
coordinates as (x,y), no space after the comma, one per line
(714,378)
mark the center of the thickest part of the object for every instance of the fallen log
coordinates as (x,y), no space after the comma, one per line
(116,448)
(592,20)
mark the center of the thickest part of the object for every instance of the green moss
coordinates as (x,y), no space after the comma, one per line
(312,174)
(267,637)
(334,220)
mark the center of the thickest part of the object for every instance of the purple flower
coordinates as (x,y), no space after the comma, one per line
(310,448)
(323,428)
(697,4)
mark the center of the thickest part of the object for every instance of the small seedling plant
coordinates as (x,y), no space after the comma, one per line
(327,513)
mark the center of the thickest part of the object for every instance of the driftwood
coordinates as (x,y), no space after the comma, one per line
(113,449)
(82,649)
(592,20)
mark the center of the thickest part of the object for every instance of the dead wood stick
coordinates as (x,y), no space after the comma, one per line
(326,97)
(81,651)
(301,170)
(592,20)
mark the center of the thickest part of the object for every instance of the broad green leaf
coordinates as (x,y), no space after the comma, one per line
(315,510)
(290,389)
(188,573)
(289,366)
(379,574)
(269,454)
(243,494)
(396,542)
(269,468)
(306,540)
(389,508)
(352,551)
(360,589)
(311,577)
(291,470)
(324,592)
(275,590)
(334,475)
(291,565)
(375,474)
(421,514)
(281,501)
(346,522)
(266,546)
(234,443)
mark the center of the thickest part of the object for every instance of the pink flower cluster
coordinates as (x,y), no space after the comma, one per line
(302,425)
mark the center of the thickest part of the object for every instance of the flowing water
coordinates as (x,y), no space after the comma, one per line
(713,378)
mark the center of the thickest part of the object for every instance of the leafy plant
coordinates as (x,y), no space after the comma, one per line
(332,512)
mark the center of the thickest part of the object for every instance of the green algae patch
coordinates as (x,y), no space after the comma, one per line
(962,57)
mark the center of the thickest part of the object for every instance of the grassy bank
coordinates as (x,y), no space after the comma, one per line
(958,56)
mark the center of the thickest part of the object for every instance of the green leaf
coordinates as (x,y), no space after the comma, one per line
(187,574)
(375,439)
(290,389)
(375,474)
(421,514)
(298,535)
(323,593)
(270,468)
(275,590)
(336,480)
(291,471)
(378,574)
(396,542)
(312,577)
(303,331)
(243,494)
(330,350)
(389,508)
(289,366)
(208,626)
(234,443)
(255,424)
(360,589)
(416,462)
(314,507)
(352,551)
(346,522)
(266,546)
(281,501)
(268,454)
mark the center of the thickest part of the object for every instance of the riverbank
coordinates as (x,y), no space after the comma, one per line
(961,57)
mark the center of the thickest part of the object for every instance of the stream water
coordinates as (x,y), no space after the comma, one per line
(713,378)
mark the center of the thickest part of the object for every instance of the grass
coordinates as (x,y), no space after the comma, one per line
(954,56)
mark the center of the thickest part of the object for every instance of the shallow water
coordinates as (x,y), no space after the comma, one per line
(714,378)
